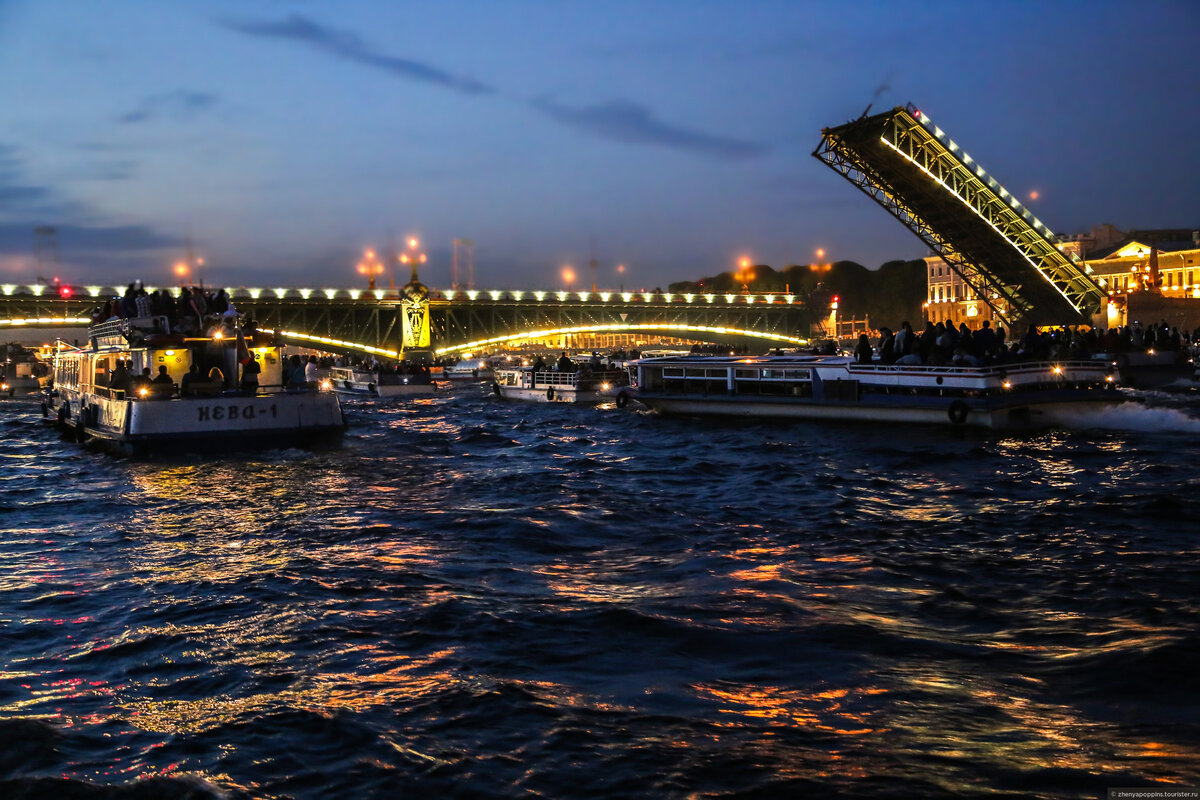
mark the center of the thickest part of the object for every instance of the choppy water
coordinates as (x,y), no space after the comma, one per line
(477,599)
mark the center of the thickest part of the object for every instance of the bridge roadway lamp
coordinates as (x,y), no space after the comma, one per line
(370,266)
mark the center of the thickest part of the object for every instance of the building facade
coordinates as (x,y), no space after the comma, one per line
(1162,263)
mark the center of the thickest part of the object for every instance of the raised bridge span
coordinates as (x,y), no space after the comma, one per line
(1012,261)
(391,321)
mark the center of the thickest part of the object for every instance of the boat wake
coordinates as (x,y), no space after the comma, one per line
(1130,417)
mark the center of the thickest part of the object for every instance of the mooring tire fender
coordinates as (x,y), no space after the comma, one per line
(550,394)
(958,412)
(622,399)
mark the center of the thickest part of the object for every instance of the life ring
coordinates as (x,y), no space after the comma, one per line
(496,389)
(958,412)
(622,399)
(550,394)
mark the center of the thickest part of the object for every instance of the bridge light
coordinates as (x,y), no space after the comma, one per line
(65,292)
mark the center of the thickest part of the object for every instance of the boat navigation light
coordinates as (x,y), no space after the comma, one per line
(218,335)
(1108,378)
(604,387)
(1057,370)
(326,385)
(1007,384)
(143,392)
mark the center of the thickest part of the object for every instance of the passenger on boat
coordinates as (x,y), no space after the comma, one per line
(189,380)
(311,376)
(163,377)
(217,377)
(887,346)
(863,352)
(565,364)
(539,365)
(119,380)
(293,376)
(250,372)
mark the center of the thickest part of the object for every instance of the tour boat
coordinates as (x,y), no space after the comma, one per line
(91,398)
(469,369)
(552,386)
(1013,395)
(365,383)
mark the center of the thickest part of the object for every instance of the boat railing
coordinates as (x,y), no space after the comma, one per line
(986,370)
(581,377)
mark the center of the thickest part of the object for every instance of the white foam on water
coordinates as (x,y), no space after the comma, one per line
(1130,417)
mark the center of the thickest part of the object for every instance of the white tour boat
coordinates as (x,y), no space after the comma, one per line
(98,393)
(469,369)
(1013,395)
(552,386)
(366,383)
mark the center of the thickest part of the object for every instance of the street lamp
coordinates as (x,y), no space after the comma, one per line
(744,275)
(370,266)
(568,276)
(412,256)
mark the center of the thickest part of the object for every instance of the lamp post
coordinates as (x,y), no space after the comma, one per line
(412,256)
(370,266)
(744,275)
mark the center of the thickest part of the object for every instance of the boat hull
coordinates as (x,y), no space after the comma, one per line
(1010,416)
(1010,396)
(185,424)
(550,394)
(384,391)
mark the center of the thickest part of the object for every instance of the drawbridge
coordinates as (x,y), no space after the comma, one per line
(1007,256)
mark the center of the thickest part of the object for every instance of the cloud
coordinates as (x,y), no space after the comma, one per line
(352,48)
(180,105)
(629,122)
(17,197)
(80,234)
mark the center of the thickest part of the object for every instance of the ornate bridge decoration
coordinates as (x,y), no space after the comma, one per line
(1006,255)
(389,322)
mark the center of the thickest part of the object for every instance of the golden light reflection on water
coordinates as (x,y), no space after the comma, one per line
(1002,725)
(829,710)
(401,680)
(606,579)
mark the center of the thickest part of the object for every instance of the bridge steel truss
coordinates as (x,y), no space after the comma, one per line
(459,322)
(1009,258)
(456,323)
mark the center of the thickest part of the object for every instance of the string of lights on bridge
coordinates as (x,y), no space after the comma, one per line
(496,295)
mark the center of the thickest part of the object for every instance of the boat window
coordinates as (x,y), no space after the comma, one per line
(788,374)
(706,372)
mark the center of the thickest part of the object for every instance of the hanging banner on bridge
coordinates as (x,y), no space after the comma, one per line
(415,323)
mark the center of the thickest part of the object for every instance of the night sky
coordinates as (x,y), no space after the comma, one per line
(282,138)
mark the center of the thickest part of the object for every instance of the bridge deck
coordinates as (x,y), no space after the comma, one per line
(908,165)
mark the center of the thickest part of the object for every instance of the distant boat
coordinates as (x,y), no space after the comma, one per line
(552,386)
(97,400)
(469,369)
(365,383)
(1016,395)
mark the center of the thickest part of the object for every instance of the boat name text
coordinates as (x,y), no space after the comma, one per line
(209,413)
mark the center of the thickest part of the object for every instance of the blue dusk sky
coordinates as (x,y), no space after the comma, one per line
(279,139)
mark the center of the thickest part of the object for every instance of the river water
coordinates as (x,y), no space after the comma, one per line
(471,598)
